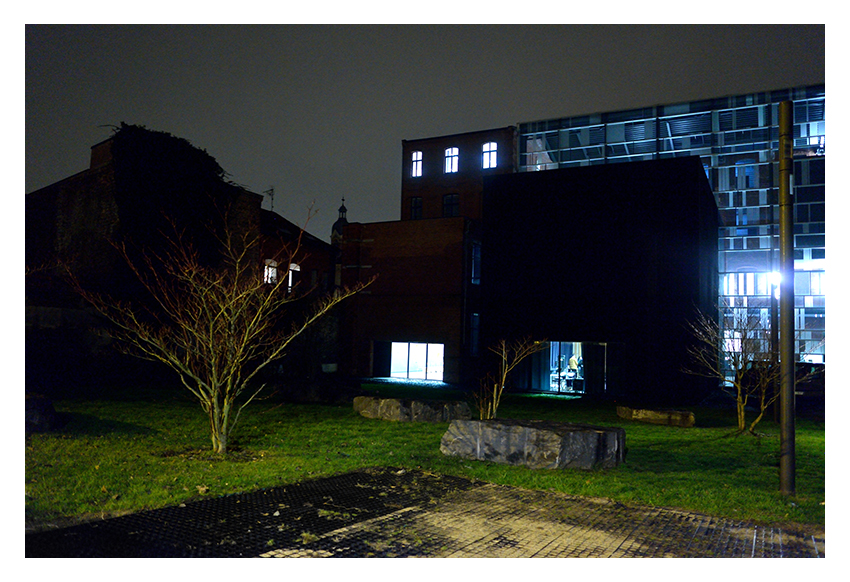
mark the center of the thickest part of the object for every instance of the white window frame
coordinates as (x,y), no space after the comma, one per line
(489,157)
(290,282)
(270,272)
(416,164)
(452,156)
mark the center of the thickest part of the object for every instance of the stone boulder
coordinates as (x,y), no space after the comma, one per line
(401,410)
(536,444)
(667,417)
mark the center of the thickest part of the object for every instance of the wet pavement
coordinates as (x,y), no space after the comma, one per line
(387,512)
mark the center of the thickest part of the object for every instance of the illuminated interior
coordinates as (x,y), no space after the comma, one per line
(417,361)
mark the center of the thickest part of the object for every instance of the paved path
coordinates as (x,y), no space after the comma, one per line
(499,522)
(396,513)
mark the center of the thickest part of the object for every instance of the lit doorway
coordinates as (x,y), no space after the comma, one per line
(417,361)
(566,367)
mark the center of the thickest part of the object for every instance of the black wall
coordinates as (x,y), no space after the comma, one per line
(620,253)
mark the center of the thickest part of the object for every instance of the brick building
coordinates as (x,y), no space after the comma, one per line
(419,319)
(587,258)
(141,187)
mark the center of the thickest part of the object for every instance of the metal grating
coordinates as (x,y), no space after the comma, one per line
(249,524)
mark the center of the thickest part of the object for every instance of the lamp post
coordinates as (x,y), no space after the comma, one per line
(787,452)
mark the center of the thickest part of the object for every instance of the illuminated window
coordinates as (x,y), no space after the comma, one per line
(452,156)
(489,160)
(293,268)
(416,168)
(417,361)
(270,272)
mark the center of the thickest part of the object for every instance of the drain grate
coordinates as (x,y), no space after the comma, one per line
(249,524)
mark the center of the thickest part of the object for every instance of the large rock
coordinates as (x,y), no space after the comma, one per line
(536,444)
(411,410)
(667,417)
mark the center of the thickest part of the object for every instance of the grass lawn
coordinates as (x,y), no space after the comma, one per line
(150,449)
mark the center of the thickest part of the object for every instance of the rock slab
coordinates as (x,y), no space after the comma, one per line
(667,417)
(401,410)
(537,444)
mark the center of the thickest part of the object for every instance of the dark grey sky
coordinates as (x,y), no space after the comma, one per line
(319,112)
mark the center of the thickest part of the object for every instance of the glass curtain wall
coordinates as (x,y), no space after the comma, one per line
(737,139)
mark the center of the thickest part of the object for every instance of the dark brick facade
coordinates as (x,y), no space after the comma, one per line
(141,188)
(435,183)
(421,292)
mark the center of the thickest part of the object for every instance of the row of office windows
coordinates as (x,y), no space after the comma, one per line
(489,159)
(737,139)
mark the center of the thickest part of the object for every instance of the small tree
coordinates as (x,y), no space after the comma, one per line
(491,388)
(216,326)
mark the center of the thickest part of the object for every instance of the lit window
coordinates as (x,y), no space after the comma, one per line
(489,160)
(270,272)
(293,268)
(452,156)
(417,361)
(416,168)
(451,205)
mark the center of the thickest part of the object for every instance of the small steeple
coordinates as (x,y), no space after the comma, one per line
(336,229)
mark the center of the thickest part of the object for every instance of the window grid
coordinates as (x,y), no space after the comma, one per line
(416,165)
(452,156)
(489,159)
(416,208)
(736,138)
(451,205)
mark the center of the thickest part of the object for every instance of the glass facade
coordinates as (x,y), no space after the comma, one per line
(737,139)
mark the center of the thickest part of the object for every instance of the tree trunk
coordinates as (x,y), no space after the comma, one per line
(218,430)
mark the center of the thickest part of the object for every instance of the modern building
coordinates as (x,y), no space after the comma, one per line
(589,260)
(737,140)
(578,257)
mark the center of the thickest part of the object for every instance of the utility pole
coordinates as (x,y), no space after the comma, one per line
(787,447)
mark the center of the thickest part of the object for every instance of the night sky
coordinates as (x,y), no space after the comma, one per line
(319,112)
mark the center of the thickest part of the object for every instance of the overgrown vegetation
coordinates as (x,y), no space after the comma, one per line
(148,450)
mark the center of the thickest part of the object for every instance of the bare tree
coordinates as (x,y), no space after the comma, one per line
(510,354)
(216,326)
(740,358)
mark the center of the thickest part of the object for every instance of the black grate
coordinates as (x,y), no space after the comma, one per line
(249,524)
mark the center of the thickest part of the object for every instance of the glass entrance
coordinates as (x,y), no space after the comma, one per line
(566,367)
(417,361)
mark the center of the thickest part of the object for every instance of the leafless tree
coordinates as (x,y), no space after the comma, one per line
(510,354)
(216,326)
(738,355)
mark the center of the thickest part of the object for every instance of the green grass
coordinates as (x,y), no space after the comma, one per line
(152,449)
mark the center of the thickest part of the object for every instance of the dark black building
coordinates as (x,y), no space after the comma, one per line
(608,263)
